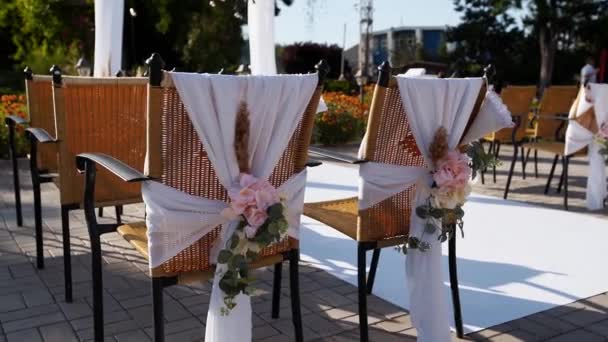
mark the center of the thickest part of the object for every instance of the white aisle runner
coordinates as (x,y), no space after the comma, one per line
(515,260)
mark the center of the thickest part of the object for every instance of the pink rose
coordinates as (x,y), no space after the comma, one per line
(603,132)
(241,200)
(255,217)
(453,171)
(250,231)
(264,198)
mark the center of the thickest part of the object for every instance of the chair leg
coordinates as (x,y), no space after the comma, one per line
(157,307)
(16,184)
(550,178)
(561,180)
(67,257)
(454,287)
(294,285)
(535,163)
(100,211)
(523,163)
(566,161)
(372,271)
(363,329)
(496,155)
(276,290)
(118,210)
(96,266)
(37,204)
(513,161)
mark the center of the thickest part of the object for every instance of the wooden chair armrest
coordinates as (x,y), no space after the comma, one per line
(117,167)
(39,135)
(335,156)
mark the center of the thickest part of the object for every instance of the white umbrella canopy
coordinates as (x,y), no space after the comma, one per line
(109,16)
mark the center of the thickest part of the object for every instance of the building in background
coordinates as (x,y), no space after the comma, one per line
(402,45)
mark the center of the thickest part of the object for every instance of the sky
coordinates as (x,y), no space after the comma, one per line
(322,21)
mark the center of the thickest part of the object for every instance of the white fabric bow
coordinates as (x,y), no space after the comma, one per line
(595,97)
(430,104)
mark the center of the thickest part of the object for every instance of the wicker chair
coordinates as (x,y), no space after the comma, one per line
(177,158)
(518,100)
(548,136)
(91,114)
(386,224)
(39,96)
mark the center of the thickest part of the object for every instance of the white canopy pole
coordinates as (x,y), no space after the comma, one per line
(108,37)
(261,37)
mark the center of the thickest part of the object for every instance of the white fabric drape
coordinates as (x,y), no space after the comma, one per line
(260,16)
(175,219)
(109,16)
(429,103)
(578,137)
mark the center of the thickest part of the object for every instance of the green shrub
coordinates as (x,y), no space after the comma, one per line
(12,105)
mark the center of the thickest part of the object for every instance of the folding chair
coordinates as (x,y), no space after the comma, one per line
(91,114)
(177,158)
(550,125)
(518,100)
(386,224)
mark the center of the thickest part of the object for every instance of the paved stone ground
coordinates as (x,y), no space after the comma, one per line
(32,306)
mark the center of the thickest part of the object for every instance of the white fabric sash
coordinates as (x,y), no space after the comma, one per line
(429,104)
(578,137)
(176,220)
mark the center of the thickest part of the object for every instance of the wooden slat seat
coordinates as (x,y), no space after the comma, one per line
(137,235)
(339,214)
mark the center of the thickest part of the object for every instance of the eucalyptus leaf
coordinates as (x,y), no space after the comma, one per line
(224,256)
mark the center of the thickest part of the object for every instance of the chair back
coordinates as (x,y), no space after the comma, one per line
(39,95)
(556,101)
(389,140)
(100,115)
(177,158)
(518,100)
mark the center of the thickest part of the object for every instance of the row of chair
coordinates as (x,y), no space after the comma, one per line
(111,127)
(539,129)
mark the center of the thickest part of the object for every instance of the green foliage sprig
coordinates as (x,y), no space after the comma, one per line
(240,251)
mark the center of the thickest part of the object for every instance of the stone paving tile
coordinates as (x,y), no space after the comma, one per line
(32,306)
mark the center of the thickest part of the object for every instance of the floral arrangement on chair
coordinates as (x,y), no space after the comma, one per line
(260,210)
(601,138)
(452,174)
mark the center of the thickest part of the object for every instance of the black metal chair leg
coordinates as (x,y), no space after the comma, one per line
(551,172)
(96,266)
(363,329)
(294,285)
(157,307)
(496,155)
(16,184)
(523,163)
(536,163)
(372,271)
(118,210)
(566,161)
(454,287)
(100,211)
(513,161)
(37,204)
(276,290)
(67,255)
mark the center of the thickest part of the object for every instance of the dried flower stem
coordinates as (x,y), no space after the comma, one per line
(241,138)
(439,147)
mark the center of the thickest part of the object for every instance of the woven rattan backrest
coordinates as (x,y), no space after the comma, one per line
(389,140)
(182,163)
(100,115)
(518,100)
(556,101)
(39,94)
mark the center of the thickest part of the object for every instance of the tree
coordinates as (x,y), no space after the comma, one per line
(300,58)
(555,29)
(561,24)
